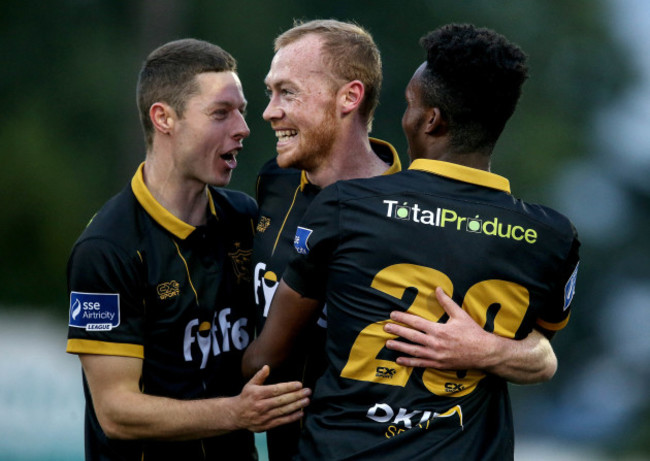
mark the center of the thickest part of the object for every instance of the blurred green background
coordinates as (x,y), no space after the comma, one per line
(70,139)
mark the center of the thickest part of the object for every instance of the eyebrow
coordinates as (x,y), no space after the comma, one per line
(229,104)
(280,82)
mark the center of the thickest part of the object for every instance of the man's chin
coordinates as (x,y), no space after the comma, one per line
(287,161)
(222,180)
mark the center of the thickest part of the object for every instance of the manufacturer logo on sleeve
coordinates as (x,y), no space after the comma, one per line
(94,311)
(300,241)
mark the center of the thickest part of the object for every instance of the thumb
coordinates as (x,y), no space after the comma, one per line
(448,304)
(260,376)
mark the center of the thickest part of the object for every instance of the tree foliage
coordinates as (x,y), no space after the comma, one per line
(70,136)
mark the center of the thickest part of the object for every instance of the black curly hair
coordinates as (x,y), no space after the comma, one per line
(474,76)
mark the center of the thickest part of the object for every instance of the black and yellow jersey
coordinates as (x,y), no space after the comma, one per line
(145,284)
(283,195)
(371,246)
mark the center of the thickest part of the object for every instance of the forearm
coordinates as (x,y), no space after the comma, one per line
(257,355)
(289,314)
(527,361)
(128,415)
(461,344)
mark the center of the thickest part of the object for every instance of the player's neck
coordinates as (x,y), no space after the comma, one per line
(349,159)
(187,200)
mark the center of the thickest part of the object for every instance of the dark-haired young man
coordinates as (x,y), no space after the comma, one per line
(369,247)
(160,284)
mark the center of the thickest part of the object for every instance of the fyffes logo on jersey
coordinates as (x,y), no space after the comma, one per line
(265,283)
(446,218)
(213,338)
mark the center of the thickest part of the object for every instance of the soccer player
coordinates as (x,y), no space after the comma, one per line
(160,283)
(324,85)
(447,227)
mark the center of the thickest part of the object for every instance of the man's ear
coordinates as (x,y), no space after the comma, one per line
(162,117)
(350,96)
(436,124)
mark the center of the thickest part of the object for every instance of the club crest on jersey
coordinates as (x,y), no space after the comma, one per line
(570,288)
(94,311)
(300,241)
(263,224)
(241,261)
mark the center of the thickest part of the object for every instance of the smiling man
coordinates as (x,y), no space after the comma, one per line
(160,283)
(323,88)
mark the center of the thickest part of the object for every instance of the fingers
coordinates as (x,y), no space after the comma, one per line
(412,334)
(278,421)
(261,375)
(417,362)
(288,404)
(447,303)
(284,408)
(409,320)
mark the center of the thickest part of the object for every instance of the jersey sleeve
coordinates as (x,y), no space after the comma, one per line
(106,304)
(557,311)
(315,241)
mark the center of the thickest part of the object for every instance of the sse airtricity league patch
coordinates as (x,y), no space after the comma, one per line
(94,311)
(300,240)
(570,288)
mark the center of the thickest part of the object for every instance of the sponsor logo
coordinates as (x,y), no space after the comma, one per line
(94,311)
(241,260)
(263,224)
(570,288)
(300,241)
(167,290)
(265,283)
(206,339)
(447,218)
(402,419)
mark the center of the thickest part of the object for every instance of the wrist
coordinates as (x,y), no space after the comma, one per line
(226,408)
(495,349)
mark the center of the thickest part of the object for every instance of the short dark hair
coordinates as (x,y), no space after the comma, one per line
(474,76)
(168,75)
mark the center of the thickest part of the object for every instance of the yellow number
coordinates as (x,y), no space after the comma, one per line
(498,305)
(511,300)
(362,364)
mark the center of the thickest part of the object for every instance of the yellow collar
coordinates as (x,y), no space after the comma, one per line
(462,173)
(163,217)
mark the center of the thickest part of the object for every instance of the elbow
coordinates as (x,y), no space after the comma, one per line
(549,370)
(115,423)
(114,429)
(543,373)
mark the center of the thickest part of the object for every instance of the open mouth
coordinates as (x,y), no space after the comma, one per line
(230,159)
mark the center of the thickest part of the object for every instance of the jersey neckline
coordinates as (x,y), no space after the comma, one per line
(462,173)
